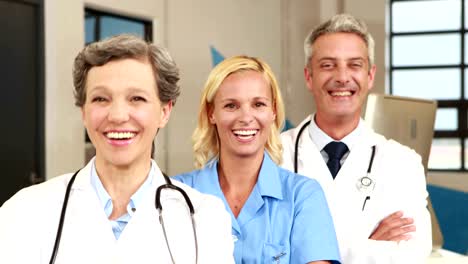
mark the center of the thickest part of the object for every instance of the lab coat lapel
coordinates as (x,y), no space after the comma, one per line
(86,221)
(355,167)
(145,224)
(349,200)
(311,163)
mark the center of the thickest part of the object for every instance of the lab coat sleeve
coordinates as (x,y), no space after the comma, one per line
(408,186)
(19,230)
(215,224)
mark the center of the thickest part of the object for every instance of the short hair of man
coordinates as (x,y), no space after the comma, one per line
(205,139)
(127,46)
(341,23)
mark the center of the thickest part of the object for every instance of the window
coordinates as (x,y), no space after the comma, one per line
(428,60)
(100,25)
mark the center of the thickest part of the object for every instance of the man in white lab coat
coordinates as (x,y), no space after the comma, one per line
(375,187)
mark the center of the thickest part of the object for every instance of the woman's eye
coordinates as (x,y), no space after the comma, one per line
(260,104)
(230,106)
(138,99)
(98,99)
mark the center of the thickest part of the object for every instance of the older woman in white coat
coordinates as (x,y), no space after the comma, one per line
(125,89)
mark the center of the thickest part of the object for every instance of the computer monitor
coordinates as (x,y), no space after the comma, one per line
(409,121)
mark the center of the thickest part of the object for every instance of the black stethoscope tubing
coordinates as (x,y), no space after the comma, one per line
(158,206)
(296,144)
(296,151)
(157,202)
(62,218)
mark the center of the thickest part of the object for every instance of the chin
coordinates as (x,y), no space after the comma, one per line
(120,160)
(249,153)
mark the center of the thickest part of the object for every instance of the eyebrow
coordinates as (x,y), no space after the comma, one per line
(255,98)
(104,88)
(334,58)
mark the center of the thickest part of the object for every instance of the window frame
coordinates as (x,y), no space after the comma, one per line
(461,133)
(97,14)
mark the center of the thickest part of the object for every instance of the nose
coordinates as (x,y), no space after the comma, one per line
(246,115)
(342,75)
(118,112)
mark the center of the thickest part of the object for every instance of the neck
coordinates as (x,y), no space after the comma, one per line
(337,128)
(237,178)
(121,182)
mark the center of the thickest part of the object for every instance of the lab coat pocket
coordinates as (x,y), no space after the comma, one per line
(274,253)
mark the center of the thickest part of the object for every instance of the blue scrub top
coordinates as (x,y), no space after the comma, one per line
(285,219)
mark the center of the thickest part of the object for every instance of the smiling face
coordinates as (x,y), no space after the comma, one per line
(243,113)
(122,111)
(339,76)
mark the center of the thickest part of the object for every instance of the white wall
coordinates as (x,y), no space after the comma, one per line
(271,29)
(64,132)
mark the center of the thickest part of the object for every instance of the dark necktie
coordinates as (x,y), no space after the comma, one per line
(335,151)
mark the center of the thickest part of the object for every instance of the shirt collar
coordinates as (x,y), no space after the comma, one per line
(268,182)
(321,139)
(106,200)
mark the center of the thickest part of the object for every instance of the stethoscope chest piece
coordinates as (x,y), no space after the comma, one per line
(365,184)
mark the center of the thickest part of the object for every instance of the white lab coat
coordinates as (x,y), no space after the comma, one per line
(29,221)
(399,185)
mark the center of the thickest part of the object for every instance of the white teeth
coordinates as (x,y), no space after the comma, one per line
(341,93)
(120,135)
(245,132)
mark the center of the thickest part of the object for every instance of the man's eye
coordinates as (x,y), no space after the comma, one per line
(326,66)
(356,65)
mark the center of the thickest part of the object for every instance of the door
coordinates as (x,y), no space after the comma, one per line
(21,95)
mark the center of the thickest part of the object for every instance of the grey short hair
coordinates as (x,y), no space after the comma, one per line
(127,46)
(341,23)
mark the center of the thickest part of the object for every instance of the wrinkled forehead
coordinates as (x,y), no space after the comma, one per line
(339,46)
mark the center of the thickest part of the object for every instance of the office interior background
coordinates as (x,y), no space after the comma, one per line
(421,51)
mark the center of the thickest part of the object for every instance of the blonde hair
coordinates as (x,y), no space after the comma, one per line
(205,138)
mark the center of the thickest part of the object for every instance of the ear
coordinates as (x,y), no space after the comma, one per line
(371,77)
(308,77)
(209,112)
(83,115)
(165,114)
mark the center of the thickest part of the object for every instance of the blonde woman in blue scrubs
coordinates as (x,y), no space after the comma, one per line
(277,216)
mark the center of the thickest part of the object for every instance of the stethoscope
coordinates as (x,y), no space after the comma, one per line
(364,184)
(167,185)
